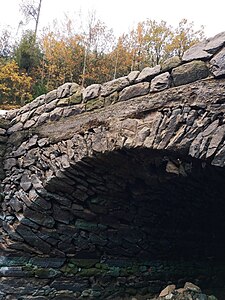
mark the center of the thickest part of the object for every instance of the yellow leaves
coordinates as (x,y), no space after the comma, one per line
(62,58)
(14,86)
(184,36)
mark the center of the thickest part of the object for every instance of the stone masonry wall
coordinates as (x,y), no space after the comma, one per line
(4,124)
(75,225)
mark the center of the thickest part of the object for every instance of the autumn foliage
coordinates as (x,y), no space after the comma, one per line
(15,86)
(68,53)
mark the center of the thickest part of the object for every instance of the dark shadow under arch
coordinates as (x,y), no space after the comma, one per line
(140,203)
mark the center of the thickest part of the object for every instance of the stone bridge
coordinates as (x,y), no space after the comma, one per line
(117,189)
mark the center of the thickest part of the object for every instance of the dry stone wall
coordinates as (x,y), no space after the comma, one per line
(91,177)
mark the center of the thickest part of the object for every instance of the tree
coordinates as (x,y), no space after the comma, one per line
(31,10)
(14,86)
(28,53)
(158,35)
(121,57)
(6,46)
(97,40)
(184,36)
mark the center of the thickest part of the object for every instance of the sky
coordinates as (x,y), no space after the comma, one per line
(122,15)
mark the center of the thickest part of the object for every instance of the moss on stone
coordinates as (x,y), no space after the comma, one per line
(102,266)
(69,269)
(45,272)
(4,123)
(84,263)
(64,101)
(111,99)
(114,272)
(90,272)
(75,98)
(95,104)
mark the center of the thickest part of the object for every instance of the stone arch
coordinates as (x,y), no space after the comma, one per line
(59,203)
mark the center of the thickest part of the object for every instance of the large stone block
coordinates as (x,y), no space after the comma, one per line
(135,90)
(170,63)
(190,72)
(218,64)
(196,52)
(160,82)
(114,85)
(148,73)
(215,43)
(91,92)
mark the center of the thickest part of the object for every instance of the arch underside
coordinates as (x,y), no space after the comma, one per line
(133,203)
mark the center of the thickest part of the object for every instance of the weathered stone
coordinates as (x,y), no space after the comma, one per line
(95,104)
(63,102)
(91,92)
(132,76)
(40,110)
(215,43)
(170,63)
(3,139)
(68,285)
(111,99)
(135,90)
(29,123)
(4,123)
(43,118)
(219,158)
(50,96)
(63,91)
(113,86)
(32,142)
(48,262)
(216,140)
(36,182)
(9,163)
(42,142)
(110,185)
(25,182)
(189,72)
(33,239)
(148,73)
(74,88)
(171,167)
(61,215)
(196,52)
(217,63)
(160,82)
(76,98)
(39,218)
(11,114)
(168,290)
(25,116)
(56,113)
(51,105)
(192,287)
(18,126)
(37,102)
